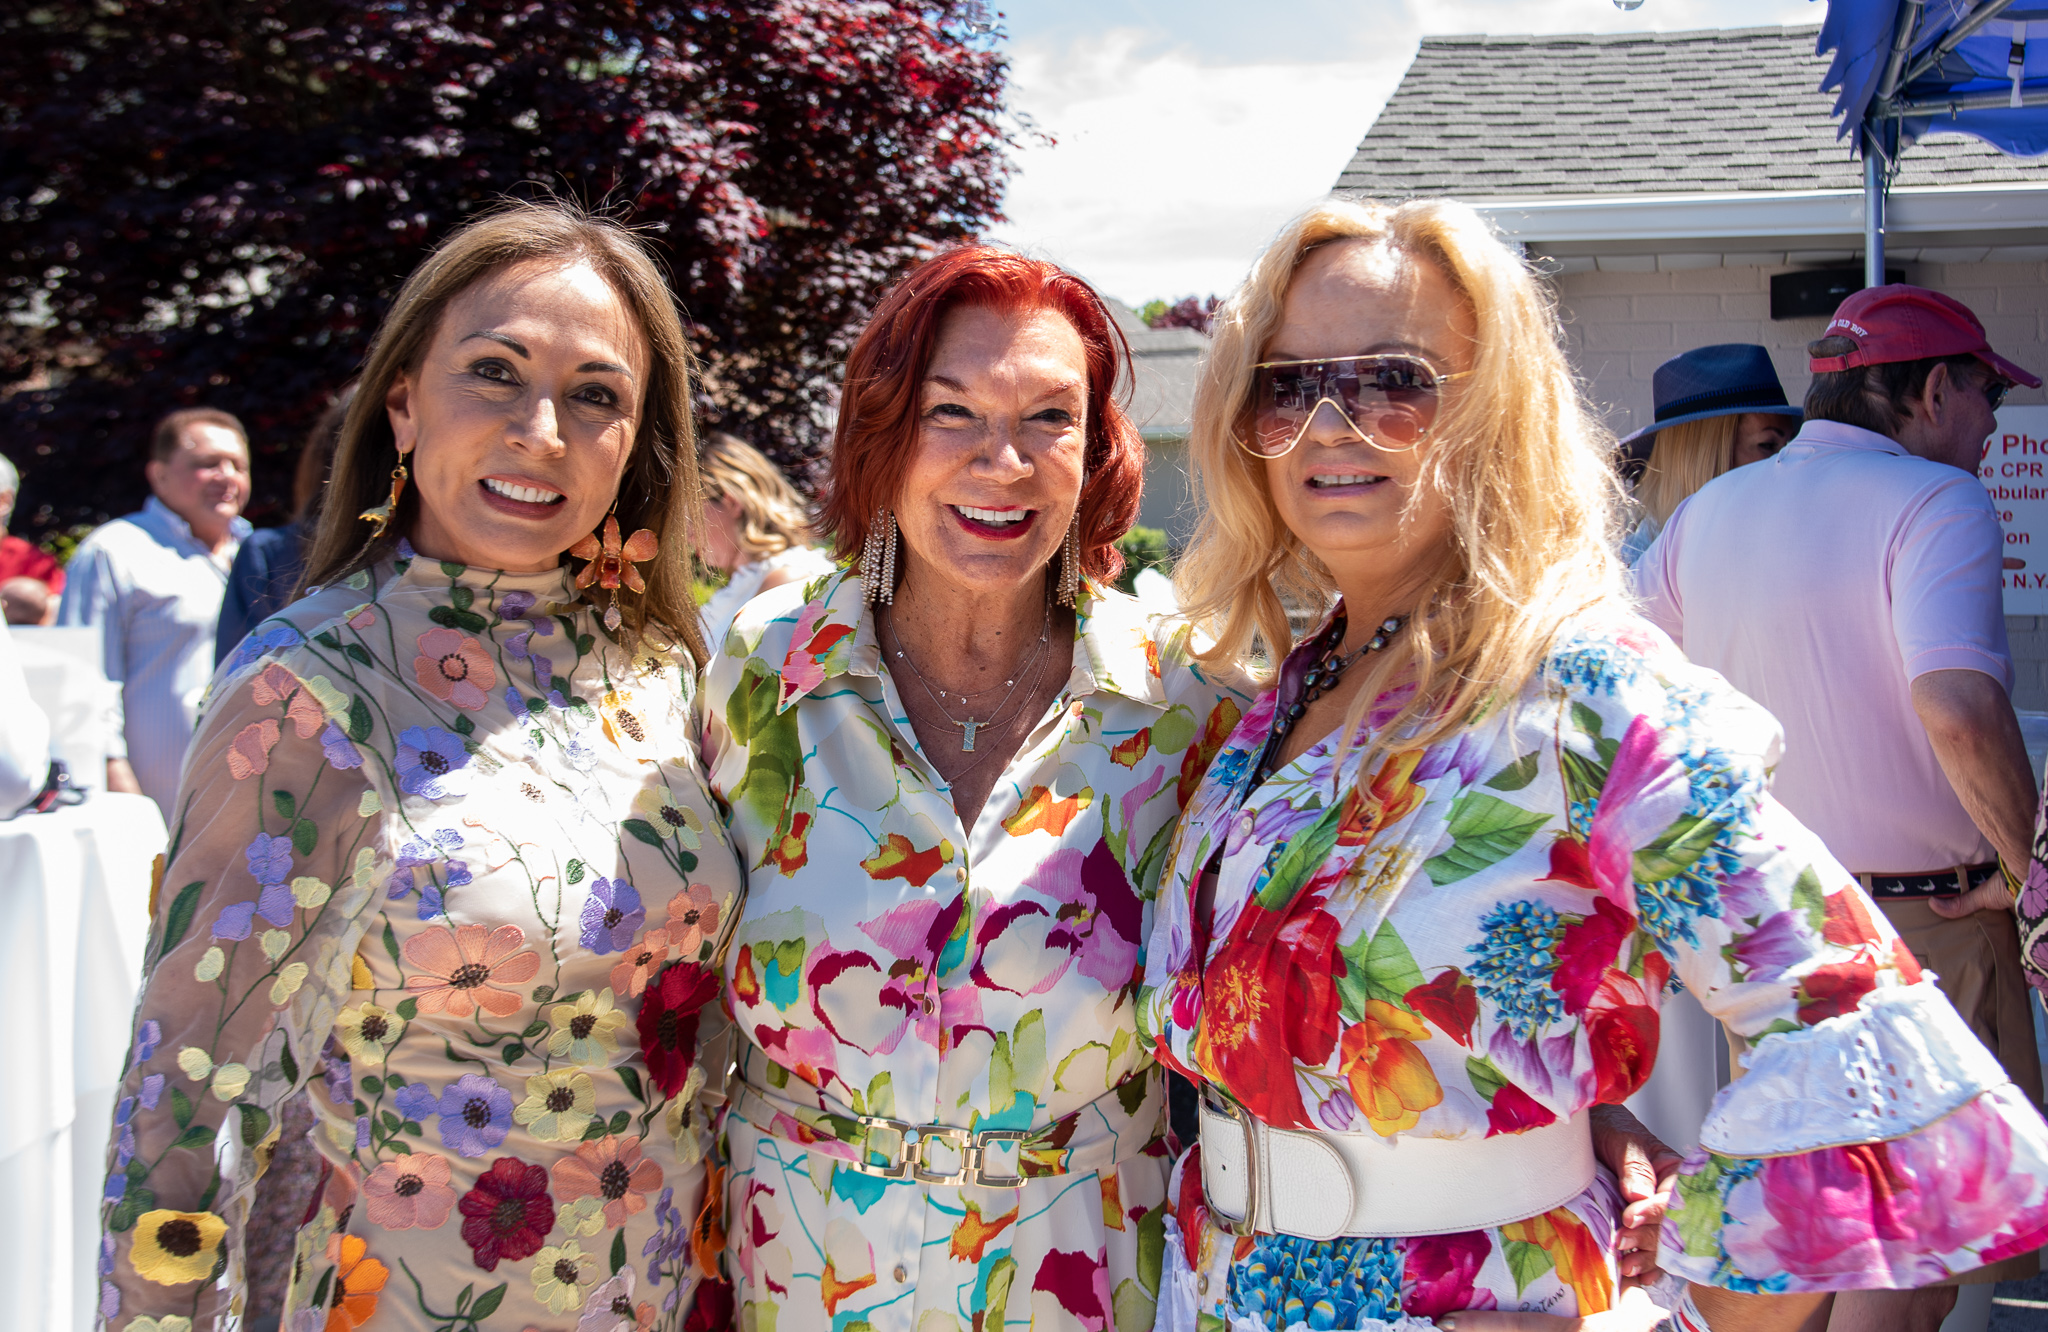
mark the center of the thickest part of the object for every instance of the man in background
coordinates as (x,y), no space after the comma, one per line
(153,582)
(1852,585)
(19,559)
(28,601)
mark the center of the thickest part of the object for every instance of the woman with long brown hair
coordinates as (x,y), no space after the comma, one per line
(442,840)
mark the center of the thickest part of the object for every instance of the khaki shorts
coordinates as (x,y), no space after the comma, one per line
(1977,963)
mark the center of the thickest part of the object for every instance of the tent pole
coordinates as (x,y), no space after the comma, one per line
(1873,210)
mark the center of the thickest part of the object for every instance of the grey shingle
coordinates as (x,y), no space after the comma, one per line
(1732,109)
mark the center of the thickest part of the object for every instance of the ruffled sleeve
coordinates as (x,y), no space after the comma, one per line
(267,891)
(1869,1141)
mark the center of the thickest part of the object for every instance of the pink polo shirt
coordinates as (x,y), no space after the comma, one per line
(1820,582)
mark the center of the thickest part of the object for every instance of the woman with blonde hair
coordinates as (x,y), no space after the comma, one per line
(1717,408)
(442,842)
(755,529)
(1424,905)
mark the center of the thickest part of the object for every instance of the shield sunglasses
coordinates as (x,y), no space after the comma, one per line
(1391,401)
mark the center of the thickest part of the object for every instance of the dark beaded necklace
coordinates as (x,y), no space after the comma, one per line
(1320,679)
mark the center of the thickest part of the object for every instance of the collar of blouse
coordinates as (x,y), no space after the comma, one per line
(1115,644)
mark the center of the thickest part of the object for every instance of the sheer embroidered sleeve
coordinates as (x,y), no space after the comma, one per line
(268,887)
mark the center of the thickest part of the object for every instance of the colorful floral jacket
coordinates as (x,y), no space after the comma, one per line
(892,963)
(1476,942)
(441,849)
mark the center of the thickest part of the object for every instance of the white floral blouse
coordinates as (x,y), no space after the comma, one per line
(441,848)
(1476,942)
(894,964)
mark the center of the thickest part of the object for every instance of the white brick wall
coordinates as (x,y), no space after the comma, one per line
(1627,316)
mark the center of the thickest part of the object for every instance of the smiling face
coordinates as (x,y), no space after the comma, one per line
(1001,434)
(521,415)
(1342,496)
(205,481)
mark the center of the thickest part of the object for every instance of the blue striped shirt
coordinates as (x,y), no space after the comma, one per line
(155,593)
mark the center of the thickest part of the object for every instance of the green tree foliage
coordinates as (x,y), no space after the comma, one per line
(213,203)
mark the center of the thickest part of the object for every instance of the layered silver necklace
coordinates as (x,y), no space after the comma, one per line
(969,725)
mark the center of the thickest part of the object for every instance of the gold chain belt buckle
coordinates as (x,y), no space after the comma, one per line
(914,1142)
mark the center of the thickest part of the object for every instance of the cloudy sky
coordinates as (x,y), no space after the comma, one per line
(1186,131)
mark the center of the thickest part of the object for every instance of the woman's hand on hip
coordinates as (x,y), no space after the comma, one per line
(1647,1171)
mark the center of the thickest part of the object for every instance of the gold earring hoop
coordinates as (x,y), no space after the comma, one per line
(878,560)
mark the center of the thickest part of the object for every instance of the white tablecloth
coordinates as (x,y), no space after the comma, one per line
(74,921)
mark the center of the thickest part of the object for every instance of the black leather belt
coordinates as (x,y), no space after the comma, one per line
(1951,882)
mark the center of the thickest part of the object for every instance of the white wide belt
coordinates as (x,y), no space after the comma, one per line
(1322,1185)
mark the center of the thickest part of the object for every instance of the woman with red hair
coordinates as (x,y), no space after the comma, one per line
(953,770)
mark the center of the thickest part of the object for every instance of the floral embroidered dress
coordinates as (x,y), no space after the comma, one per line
(443,849)
(895,965)
(1478,946)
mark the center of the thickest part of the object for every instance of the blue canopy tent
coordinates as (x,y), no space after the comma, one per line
(1908,67)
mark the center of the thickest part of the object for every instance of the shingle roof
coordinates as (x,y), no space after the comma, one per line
(1635,113)
(1164,363)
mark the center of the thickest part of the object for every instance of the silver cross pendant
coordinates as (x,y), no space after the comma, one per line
(967,745)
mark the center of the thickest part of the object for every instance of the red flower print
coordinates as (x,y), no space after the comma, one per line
(467,966)
(1831,990)
(712,1309)
(1223,719)
(1042,811)
(668,1022)
(1847,920)
(1624,1042)
(508,1214)
(1587,950)
(1079,1282)
(1514,1110)
(1450,1001)
(898,858)
(1437,1272)
(1192,1210)
(791,850)
(454,668)
(1272,993)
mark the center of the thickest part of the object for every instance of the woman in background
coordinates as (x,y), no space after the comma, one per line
(1717,408)
(755,530)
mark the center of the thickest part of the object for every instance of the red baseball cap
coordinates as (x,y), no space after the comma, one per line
(1906,323)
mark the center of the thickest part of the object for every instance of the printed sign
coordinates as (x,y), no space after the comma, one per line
(2015,472)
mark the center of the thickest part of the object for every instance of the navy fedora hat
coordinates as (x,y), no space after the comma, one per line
(1722,380)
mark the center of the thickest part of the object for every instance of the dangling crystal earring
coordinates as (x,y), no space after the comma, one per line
(381,517)
(1070,565)
(878,560)
(612,561)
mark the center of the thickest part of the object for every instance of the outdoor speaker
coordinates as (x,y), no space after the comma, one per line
(1815,292)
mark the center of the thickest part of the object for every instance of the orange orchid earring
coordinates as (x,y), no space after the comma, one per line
(612,561)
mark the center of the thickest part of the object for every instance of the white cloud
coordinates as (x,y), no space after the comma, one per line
(1174,165)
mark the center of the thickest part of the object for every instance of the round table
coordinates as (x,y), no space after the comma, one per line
(74,921)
